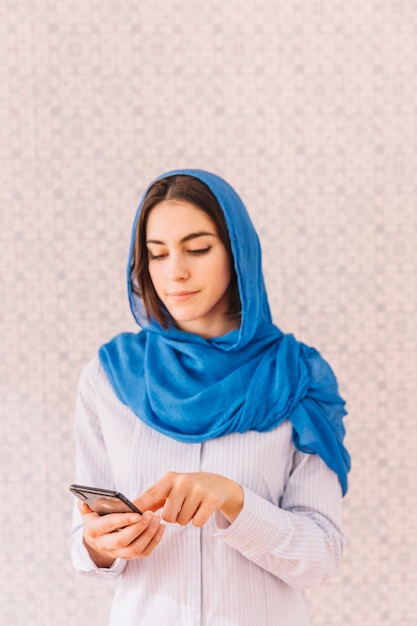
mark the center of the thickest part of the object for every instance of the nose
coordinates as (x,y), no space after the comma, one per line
(177,268)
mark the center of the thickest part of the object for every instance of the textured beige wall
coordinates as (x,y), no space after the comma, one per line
(310,110)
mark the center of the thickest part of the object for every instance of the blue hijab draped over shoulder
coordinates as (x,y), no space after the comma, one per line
(194,389)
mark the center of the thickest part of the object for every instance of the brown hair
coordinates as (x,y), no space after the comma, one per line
(189,189)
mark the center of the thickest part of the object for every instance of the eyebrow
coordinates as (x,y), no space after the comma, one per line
(200,233)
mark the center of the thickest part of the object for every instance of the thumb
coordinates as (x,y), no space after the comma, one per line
(84,508)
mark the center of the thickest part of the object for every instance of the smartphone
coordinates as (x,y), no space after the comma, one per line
(104,501)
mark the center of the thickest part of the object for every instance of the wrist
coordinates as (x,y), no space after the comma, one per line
(99,558)
(234,503)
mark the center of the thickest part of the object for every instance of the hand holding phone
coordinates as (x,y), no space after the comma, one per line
(138,534)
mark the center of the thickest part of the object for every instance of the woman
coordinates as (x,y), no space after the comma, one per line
(227,432)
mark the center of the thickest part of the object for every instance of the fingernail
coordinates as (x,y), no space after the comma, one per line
(135,518)
(155,520)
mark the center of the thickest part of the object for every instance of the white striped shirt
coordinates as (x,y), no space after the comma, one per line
(286,539)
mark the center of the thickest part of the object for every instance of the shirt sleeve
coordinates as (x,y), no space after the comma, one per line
(300,541)
(92,468)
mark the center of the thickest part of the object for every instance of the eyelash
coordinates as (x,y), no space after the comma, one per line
(155,257)
(200,251)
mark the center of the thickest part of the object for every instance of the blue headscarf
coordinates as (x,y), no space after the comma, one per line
(194,389)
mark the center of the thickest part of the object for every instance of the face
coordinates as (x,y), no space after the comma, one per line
(189,267)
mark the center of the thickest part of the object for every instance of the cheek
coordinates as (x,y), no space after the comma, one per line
(223,271)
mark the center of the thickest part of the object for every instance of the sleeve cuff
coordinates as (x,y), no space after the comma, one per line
(257,527)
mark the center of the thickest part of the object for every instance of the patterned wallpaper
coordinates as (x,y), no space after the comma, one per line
(310,110)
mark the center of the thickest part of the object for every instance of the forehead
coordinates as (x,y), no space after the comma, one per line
(177,218)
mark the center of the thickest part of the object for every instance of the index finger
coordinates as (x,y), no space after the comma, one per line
(155,497)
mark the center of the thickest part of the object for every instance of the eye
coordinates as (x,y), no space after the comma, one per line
(200,251)
(155,257)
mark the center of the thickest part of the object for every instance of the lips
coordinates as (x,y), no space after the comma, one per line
(179,296)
